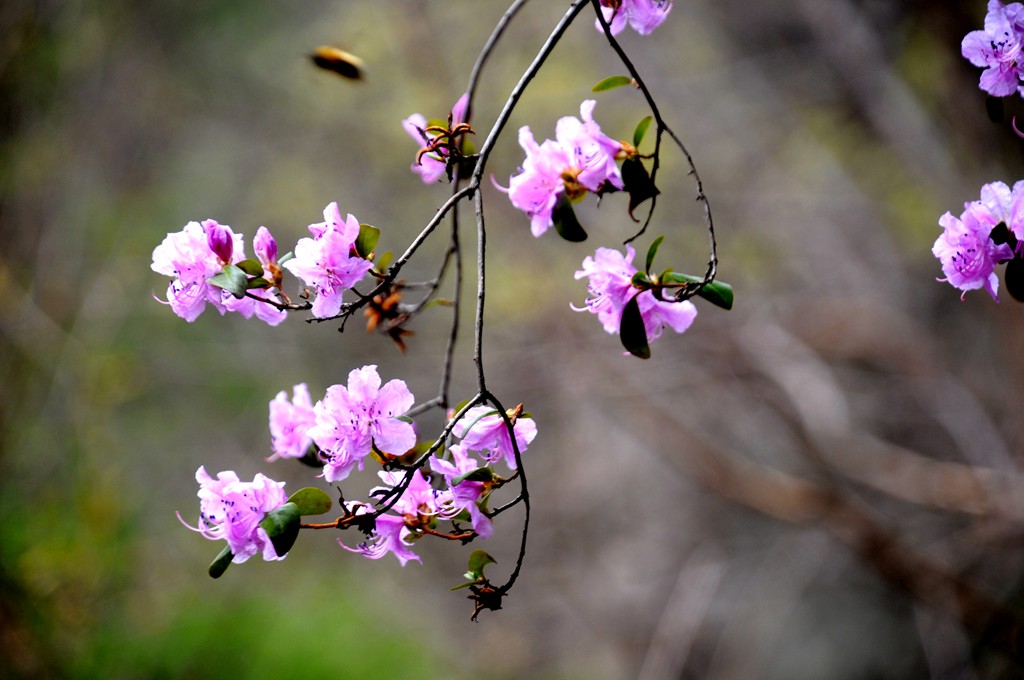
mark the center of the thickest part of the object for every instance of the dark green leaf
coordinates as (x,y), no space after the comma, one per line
(641,130)
(367,240)
(652,251)
(632,332)
(282,526)
(611,82)
(482,474)
(258,282)
(221,563)
(250,267)
(1014,278)
(566,224)
(232,279)
(637,182)
(718,293)
(478,560)
(311,501)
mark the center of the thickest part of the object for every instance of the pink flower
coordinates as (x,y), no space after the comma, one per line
(388,536)
(483,431)
(195,254)
(467,495)
(290,422)
(536,188)
(966,251)
(1005,205)
(232,510)
(642,15)
(592,153)
(610,287)
(581,159)
(186,256)
(327,262)
(997,48)
(432,166)
(351,421)
(395,533)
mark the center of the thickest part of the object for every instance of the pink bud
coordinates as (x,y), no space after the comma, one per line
(265,246)
(220,239)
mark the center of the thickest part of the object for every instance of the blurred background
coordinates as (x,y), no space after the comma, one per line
(823,483)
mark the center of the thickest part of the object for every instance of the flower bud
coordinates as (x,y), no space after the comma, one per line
(265,246)
(220,239)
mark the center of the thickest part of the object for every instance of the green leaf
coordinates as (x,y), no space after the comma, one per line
(311,501)
(566,224)
(632,332)
(611,82)
(482,474)
(282,526)
(1013,276)
(478,560)
(250,267)
(221,563)
(258,282)
(232,279)
(641,130)
(383,260)
(652,251)
(718,293)
(637,182)
(367,240)
(639,279)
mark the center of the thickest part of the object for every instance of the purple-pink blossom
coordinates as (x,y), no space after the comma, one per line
(483,431)
(327,262)
(433,166)
(997,48)
(467,495)
(187,257)
(352,420)
(194,255)
(967,252)
(643,16)
(580,159)
(232,510)
(610,288)
(290,421)
(536,188)
(395,533)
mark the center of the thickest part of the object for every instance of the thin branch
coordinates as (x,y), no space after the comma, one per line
(712,269)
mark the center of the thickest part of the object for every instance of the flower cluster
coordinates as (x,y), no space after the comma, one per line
(997,49)
(467,485)
(643,16)
(610,288)
(198,253)
(346,425)
(986,234)
(208,265)
(232,510)
(580,159)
